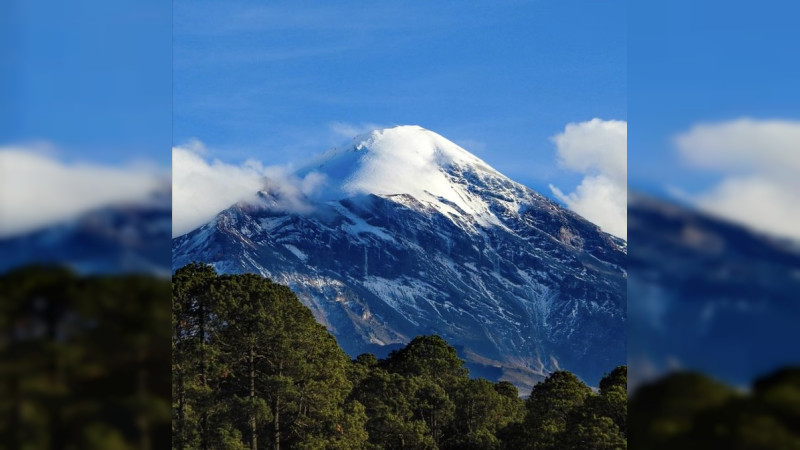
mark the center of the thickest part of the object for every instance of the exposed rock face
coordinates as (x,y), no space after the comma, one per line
(414,235)
(708,295)
(133,238)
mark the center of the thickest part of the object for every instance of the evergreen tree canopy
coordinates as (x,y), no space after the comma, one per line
(83,360)
(253,369)
(270,375)
(551,403)
(617,378)
(429,357)
(661,411)
(691,411)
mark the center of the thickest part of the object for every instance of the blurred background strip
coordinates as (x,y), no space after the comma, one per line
(85,222)
(713,213)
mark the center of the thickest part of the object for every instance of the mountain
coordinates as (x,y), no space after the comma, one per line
(124,238)
(708,295)
(414,235)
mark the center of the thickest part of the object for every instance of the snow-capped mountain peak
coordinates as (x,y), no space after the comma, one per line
(410,161)
(415,235)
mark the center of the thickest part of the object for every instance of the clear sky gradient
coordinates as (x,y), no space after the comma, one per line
(282,81)
(90,78)
(711,61)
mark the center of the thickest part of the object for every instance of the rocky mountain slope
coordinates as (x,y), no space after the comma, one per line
(124,238)
(414,235)
(708,295)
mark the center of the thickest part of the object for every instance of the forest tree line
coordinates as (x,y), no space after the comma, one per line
(84,361)
(252,369)
(84,364)
(689,410)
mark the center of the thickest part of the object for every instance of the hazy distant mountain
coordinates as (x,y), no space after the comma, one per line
(415,235)
(708,295)
(132,238)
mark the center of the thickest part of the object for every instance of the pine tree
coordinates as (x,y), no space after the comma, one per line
(612,401)
(288,367)
(193,314)
(389,403)
(34,303)
(253,369)
(83,360)
(483,409)
(549,408)
(592,432)
(665,410)
(429,357)
(130,342)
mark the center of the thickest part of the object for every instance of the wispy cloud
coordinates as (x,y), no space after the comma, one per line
(38,190)
(350,130)
(203,187)
(598,149)
(743,145)
(759,161)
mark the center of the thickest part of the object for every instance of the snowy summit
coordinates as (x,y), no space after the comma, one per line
(414,235)
(410,161)
(401,160)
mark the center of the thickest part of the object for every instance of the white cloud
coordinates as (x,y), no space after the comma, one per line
(201,189)
(597,149)
(761,203)
(38,190)
(744,145)
(759,161)
(350,130)
(600,200)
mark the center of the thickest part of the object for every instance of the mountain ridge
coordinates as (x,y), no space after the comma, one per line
(707,294)
(518,282)
(128,237)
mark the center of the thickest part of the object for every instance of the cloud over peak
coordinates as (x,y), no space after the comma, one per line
(598,149)
(39,190)
(759,166)
(202,187)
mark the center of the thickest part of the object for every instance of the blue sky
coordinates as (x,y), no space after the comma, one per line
(268,80)
(693,62)
(85,107)
(91,78)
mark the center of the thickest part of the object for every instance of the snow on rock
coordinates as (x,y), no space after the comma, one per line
(415,235)
(407,160)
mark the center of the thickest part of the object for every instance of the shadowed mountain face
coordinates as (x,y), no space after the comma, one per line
(414,236)
(112,240)
(707,295)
